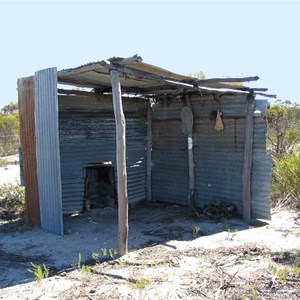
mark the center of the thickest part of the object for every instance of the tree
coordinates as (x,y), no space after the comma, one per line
(202,75)
(11,108)
(9,129)
(283,127)
(199,75)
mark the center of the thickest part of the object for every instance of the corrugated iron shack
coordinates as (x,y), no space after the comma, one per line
(188,141)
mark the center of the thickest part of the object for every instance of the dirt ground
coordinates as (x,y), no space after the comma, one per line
(173,255)
(11,172)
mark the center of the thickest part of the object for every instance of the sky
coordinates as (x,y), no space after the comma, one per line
(221,38)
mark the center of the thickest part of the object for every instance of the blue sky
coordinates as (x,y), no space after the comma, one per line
(222,38)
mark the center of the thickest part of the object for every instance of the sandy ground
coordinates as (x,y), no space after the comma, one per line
(164,251)
(11,172)
(167,259)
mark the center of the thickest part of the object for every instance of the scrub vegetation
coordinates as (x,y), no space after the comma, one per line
(283,142)
(9,130)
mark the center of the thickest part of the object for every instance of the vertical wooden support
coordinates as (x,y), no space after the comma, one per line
(121,163)
(191,172)
(187,124)
(248,155)
(149,150)
(191,161)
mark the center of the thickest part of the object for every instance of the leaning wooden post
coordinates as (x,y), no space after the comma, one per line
(121,162)
(248,154)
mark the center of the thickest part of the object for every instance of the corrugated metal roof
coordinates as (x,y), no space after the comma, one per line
(146,79)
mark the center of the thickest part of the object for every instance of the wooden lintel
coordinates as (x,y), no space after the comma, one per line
(242,79)
(121,163)
(267,95)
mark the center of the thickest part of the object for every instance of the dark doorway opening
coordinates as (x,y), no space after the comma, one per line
(99,185)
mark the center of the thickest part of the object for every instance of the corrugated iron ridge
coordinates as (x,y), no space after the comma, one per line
(47,145)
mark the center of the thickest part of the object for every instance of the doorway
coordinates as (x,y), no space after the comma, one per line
(99,185)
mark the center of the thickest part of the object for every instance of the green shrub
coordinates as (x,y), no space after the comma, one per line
(286,180)
(3,161)
(39,272)
(12,201)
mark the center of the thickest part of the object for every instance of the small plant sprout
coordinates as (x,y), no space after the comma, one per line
(282,274)
(104,252)
(96,256)
(112,253)
(83,267)
(296,267)
(86,269)
(140,283)
(39,272)
(120,262)
(283,254)
(79,261)
(195,230)
(253,293)
(231,234)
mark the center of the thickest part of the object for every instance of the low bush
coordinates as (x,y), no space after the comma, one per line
(286,180)
(12,201)
(3,162)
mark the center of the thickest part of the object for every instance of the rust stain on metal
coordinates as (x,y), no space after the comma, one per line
(28,143)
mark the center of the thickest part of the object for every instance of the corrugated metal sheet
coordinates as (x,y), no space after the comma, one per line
(47,150)
(87,135)
(169,154)
(142,78)
(219,156)
(27,137)
(261,179)
(261,175)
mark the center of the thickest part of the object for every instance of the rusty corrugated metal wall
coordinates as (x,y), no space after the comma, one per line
(219,156)
(28,144)
(87,135)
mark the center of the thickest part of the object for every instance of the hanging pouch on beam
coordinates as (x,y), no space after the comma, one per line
(219,123)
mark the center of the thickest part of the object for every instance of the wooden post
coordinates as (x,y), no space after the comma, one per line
(191,172)
(187,118)
(246,189)
(121,163)
(191,162)
(149,150)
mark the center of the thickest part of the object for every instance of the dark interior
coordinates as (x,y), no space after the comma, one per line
(99,185)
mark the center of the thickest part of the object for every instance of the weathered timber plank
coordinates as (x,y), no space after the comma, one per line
(121,163)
